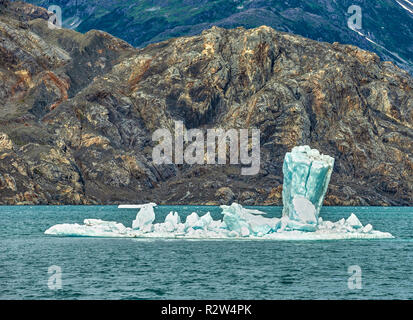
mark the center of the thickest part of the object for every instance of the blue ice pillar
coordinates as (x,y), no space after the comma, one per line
(306,177)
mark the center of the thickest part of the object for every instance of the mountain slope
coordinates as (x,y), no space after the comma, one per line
(78,112)
(387,25)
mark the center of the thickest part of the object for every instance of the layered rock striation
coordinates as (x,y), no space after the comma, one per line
(77,114)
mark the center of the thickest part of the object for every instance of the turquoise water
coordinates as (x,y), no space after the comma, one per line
(99,268)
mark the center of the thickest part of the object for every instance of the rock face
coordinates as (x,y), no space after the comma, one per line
(77,114)
(386,25)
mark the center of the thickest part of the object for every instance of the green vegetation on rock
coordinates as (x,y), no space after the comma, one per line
(384,22)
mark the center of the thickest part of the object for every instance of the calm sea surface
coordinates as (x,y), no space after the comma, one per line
(102,268)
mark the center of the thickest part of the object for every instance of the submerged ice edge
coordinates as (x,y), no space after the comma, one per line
(238,223)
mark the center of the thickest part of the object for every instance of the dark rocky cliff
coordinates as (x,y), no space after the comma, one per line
(386,25)
(77,112)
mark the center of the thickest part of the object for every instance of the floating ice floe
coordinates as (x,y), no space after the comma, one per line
(306,177)
(237,223)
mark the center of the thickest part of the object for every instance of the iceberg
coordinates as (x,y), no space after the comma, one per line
(238,224)
(204,221)
(354,222)
(306,177)
(90,228)
(144,218)
(172,221)
(191,220)
(246,221)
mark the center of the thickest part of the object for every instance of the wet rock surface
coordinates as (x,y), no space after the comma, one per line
(77,113)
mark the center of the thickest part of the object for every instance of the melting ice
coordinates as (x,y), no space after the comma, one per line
(306,177)
(237,223)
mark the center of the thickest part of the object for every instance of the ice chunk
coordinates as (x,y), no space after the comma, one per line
(173,218)
(236,218)
(233,234)
(233,218)
(90,228)
(304,210)
(106,226)
(354,222)
(306,175)
(172,221)
(259,224)
(302,217)
(217,224)
(204,221)
(144,218)
(199,223)
(368,228)
(136,206)
(191,220)
(328,224)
